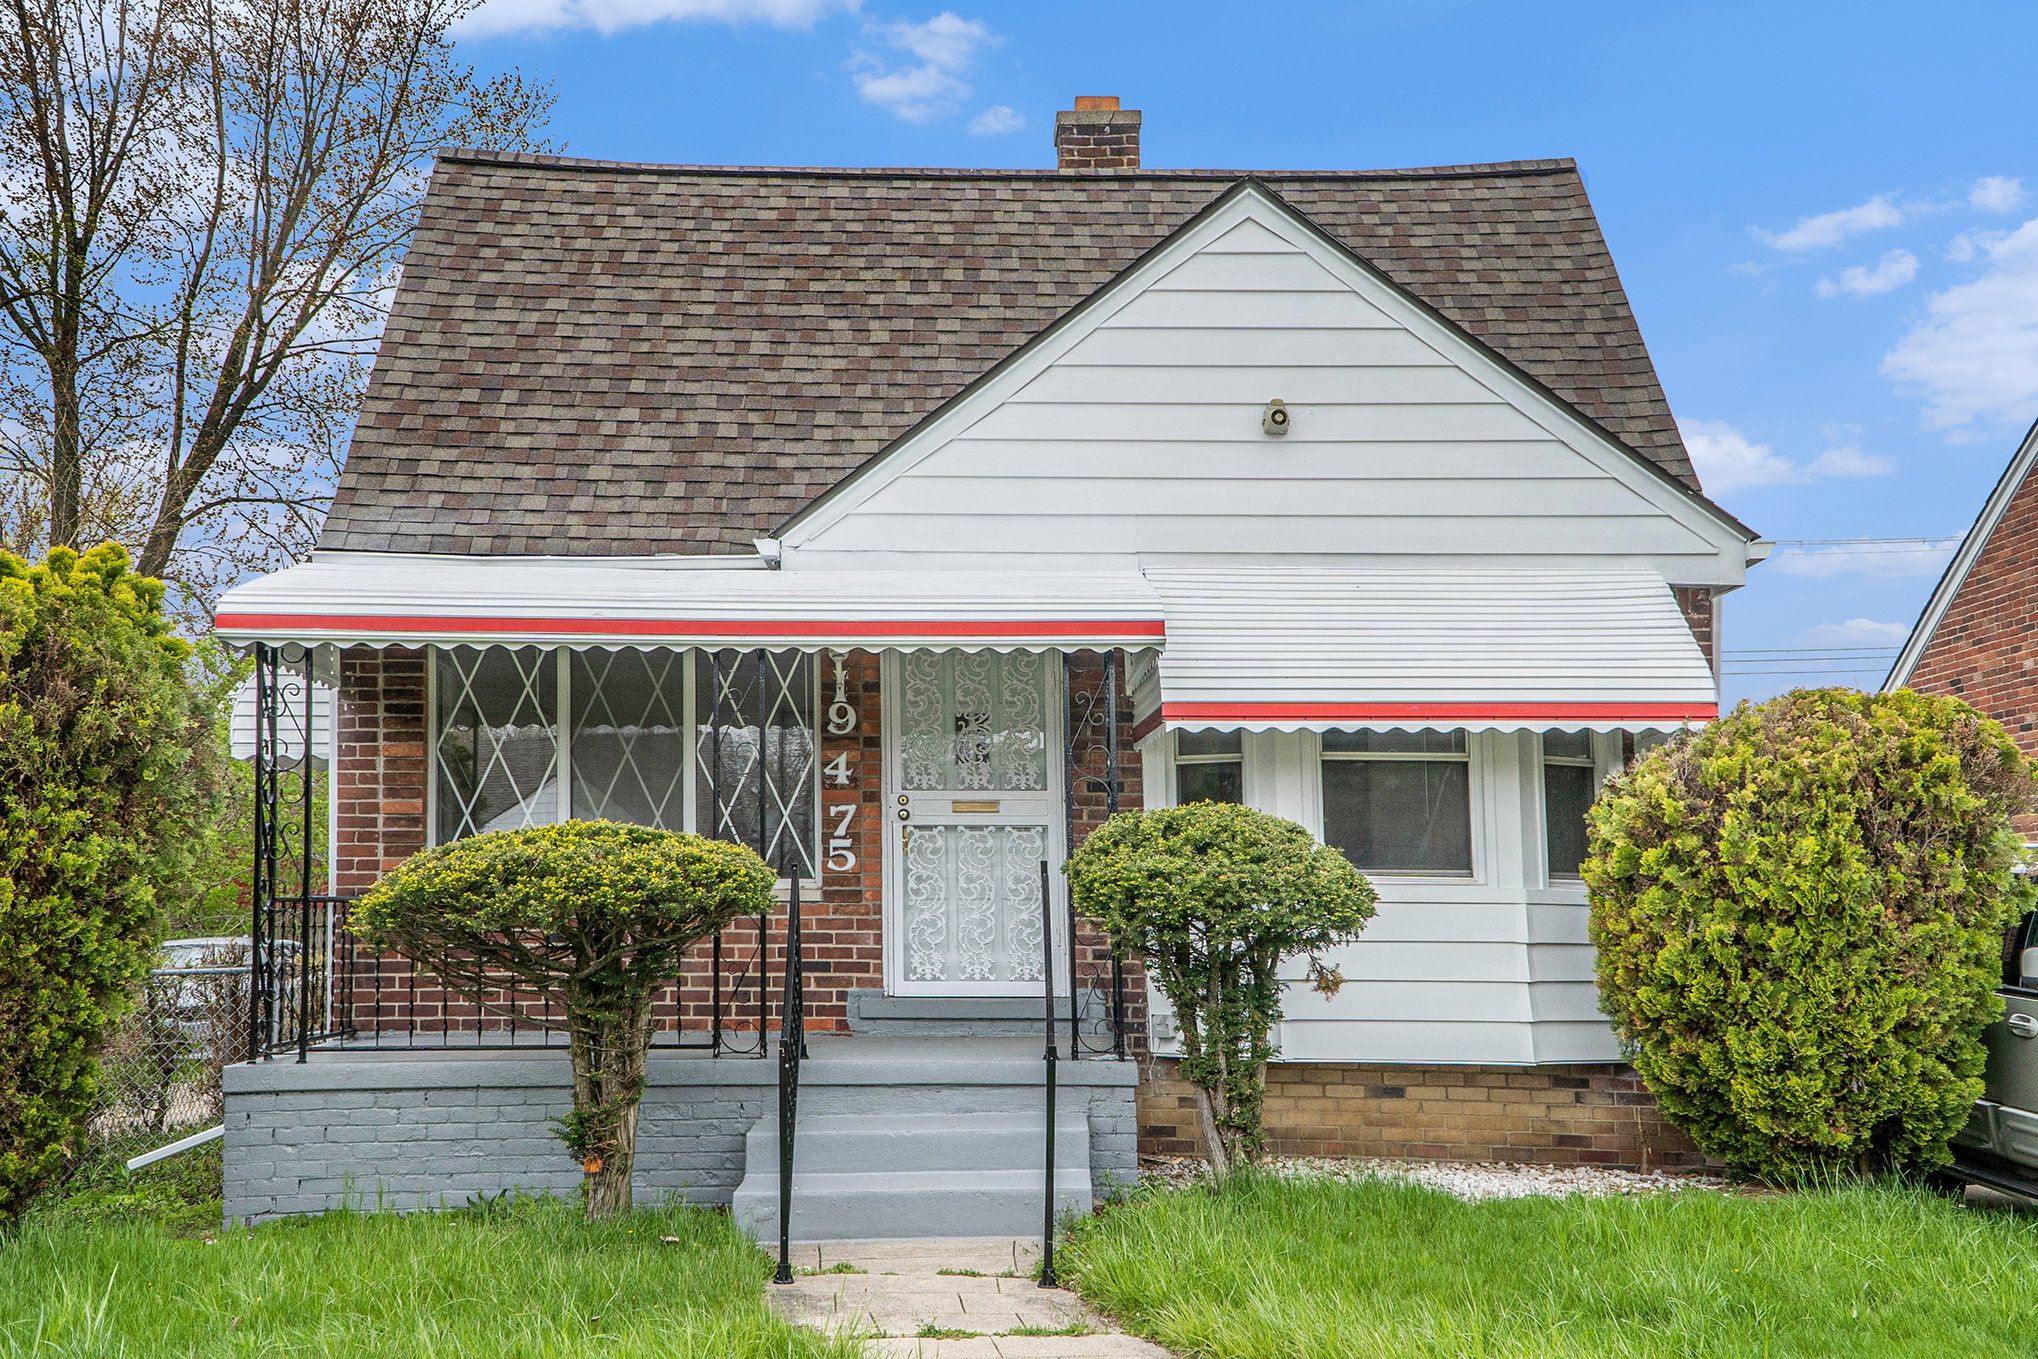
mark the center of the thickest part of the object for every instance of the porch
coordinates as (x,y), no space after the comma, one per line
(898,1137)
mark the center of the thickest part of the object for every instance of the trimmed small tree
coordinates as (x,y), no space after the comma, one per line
(1799,914)
(1214,897)
(108,768)
(594,915)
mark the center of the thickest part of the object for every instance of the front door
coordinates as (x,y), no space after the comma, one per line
(974,801)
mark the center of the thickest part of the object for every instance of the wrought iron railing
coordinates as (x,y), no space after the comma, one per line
(313,984)
(792,1049)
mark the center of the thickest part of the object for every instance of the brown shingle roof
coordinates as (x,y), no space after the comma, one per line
(596,358)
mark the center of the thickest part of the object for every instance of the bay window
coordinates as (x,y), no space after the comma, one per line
(1399,801)
(719,742)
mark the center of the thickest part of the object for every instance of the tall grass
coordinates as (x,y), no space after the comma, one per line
(1282,1269)
(522,1281)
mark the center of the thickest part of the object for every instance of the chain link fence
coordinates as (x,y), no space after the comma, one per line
(159,1075)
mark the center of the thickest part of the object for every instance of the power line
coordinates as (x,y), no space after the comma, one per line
(1940,541)
(1833,653)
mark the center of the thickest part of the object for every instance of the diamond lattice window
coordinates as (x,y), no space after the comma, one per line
(497,747)
(755,755)
(628,743)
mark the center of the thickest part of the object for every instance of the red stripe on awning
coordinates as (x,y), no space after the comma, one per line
(789,628)
(1466,712)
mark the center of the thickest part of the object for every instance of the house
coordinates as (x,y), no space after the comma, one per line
(1974,638)
(905,523)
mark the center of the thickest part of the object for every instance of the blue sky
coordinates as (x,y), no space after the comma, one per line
(1826,215)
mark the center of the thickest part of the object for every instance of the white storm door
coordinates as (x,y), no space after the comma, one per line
(973,809)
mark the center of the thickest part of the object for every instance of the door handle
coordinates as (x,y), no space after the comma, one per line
(2024,1026)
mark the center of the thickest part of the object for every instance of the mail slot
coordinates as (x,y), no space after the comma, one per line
(979,805)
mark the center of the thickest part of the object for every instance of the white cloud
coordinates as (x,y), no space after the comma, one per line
(1969,246)
(1727,460)
(1855,632)
(996,121)
(612,16)
(1847,460)
(1866,561)
(1830,228)
(1974,356)
(1996,193)
(935,85)
(1892,271)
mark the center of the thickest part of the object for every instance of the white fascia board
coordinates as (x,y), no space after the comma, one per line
(1252,203)
(1955,574)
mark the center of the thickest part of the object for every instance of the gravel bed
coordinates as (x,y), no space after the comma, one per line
(1466,1180)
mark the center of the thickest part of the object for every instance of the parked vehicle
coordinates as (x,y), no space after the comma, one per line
(1999,1145)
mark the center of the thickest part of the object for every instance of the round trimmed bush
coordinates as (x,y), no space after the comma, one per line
(594,915)
(1214,896)
(1799,912)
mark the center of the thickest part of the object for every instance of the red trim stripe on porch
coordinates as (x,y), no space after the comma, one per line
(1433,712)
(846,629)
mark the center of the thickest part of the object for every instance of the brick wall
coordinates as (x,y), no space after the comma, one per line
(1985,649)
(1700,605)
(380,786)
(1555,1115)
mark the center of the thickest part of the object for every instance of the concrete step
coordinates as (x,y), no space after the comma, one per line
(897,1169)
(850,1206)
(876,1014)
(921,1142)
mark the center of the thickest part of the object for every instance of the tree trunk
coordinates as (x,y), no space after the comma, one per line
(67,471)
(1213,1141)
(609,1051)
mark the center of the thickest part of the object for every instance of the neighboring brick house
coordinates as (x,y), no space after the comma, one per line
(904,522)
(1977,636)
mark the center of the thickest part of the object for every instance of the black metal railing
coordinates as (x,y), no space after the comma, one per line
(314,984)
(1091,736)
(792,1049)
(299,952)
(1047,1279)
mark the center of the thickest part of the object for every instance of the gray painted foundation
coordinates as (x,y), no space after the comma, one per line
(431,1129)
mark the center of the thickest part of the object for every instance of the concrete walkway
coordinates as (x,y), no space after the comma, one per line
(947,1299)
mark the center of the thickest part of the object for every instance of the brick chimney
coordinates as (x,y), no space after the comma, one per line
(1096,135)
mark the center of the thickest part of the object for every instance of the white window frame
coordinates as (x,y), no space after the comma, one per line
(563,739)
(1475,804)
(1176,759)
(1603,762)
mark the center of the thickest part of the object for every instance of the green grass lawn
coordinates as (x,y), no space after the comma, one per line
(1270,1268)
(109,1273)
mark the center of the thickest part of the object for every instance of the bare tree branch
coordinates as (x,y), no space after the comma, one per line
(206,203)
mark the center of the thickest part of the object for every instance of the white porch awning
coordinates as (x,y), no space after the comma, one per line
(1375,649)
(377,599)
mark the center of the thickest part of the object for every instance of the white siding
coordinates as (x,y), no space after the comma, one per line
(1133,431)
(1495,969)
(1138,432)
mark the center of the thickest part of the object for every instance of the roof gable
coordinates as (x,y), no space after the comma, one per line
(1133,425)
(598,359)
(2011,507)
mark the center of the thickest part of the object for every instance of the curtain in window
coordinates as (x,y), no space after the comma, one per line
(497,749)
